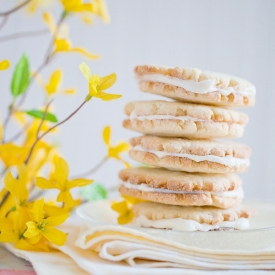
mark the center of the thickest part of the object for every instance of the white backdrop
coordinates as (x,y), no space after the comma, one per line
(235,37)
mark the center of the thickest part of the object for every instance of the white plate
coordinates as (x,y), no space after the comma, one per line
(261,233)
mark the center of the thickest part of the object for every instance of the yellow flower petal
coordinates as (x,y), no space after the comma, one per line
(93,85)
(38,210)
(84,52)
(7,236)
(120,207)
(61,172)
(6,223)
(24,245)
(4,64)
(20,117)
(66,197)
(85,70)
(62,45)
(107,97)
(17,188)
(32,230)
(12,154)
(76,6)
(51,210)
(49,20)
(102,11)
(58,219)
(34,240)
(107,135)
(78,183)
(23,173)
(44,184)
(126,218)
(54,82)
(132,200)
(107,81)
(122,147)
(55,236)
(69,91)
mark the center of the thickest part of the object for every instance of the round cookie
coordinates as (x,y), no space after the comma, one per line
(196,86)
(179,188)
(184,218)
(204,156)
(176,119)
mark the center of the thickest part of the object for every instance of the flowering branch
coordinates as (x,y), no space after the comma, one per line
(47,60)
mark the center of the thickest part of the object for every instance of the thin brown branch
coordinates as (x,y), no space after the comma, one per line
(93,170)
(52,128)
(4,21)
(15,8)
(23,34)
(38,131)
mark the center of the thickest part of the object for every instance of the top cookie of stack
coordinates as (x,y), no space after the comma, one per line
(196,86)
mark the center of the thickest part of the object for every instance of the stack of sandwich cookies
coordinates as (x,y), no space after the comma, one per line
(191,184)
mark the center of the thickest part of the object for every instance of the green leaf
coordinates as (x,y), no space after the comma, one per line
(40,114)
(21,77)
(94,192)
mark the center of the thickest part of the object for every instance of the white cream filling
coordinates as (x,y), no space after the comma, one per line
(238,193)
(189,225)
(227,160)
(133,116)
(199,87)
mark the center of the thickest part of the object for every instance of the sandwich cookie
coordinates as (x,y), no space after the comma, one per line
(196,86)
(204,156)
(176,119)
(179,188)
(184,218)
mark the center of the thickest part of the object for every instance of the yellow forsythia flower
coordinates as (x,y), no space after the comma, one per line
(101,10)
(18,187)
(59,180)
(12,154)
(62,42)
(97,85)
(124,209)
(114,151)
(40,226)
(4,64)
(76,6)
(53,84)
(125,212)
(96,7)
(64,45)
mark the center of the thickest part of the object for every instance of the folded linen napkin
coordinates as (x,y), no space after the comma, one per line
(71,260)
(142,247)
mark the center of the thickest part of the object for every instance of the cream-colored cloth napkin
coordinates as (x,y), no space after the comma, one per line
(141,247)
(124,255)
